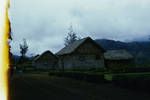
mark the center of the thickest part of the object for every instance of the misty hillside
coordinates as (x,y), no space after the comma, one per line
(140,50)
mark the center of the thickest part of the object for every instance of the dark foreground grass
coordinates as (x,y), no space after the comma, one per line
(136,81)
(118,76)
(44,87)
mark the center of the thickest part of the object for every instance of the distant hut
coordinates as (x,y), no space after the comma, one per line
(118,59)
(46,60)
(81,54)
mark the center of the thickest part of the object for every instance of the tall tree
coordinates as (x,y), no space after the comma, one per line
(23,48)
(71,37)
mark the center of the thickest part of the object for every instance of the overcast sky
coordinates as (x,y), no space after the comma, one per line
(45,23)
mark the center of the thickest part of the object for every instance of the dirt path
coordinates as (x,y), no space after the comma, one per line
(43,87)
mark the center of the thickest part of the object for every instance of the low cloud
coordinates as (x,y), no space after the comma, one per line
(45,23)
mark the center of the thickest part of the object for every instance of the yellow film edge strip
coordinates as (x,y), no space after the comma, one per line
(4,49)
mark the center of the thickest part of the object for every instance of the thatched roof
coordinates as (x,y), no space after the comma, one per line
(72,47)
(117,55)
(48,53)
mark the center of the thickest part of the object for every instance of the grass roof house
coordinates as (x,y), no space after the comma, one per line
(46,60)
(118,59)
(81,54)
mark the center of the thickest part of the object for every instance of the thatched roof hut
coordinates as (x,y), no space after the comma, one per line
(46,60)
(84,53)
(118,59)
